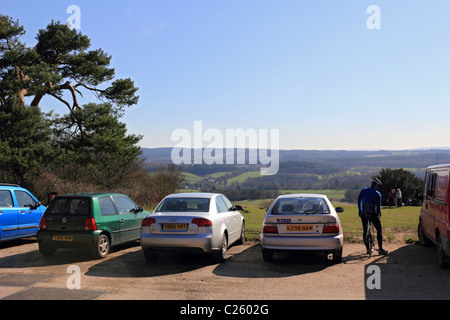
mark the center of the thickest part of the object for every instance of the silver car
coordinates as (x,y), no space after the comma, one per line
(302,222)
(196,222)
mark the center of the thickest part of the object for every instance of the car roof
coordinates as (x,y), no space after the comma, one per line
(193,195)
(89,194)
(303,195)
(439,166)
(9,186)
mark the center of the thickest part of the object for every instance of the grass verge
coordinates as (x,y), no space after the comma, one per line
(399,224)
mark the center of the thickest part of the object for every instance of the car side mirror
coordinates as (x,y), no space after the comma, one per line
(238,208)
(339,209)
(137,210)
(35,206)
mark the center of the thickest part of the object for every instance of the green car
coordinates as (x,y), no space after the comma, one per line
(91,221)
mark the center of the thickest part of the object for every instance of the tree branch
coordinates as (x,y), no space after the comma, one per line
(60,99)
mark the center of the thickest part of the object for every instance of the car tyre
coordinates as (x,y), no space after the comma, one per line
(221,255)
(242,238)
(102,248)
(443,260)
(423,240)
(267,255)
(46,249)
(337,256)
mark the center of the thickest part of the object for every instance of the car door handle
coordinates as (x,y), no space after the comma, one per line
(122,221)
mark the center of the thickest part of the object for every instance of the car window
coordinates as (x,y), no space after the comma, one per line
(221,204)
(69,206)
(107,207)
(300,206)
(431,186)
(6,199)
(24,199)
(184,205)
(124,205)
(227,203)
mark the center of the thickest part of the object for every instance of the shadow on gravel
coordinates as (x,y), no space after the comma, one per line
(133,264)
(410,272)
(34,258)
(250,264)
(246,263)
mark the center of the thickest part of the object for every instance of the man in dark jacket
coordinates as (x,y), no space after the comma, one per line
(369,208)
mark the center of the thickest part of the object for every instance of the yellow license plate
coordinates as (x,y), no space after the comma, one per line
(175,226)
(299,228)
(62,238)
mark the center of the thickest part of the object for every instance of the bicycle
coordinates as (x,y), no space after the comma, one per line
(370,236)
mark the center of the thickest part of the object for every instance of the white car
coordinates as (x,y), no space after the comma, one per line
(302,222)
(195,222)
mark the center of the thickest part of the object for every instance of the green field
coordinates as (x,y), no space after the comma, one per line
(243,177)
(399,224)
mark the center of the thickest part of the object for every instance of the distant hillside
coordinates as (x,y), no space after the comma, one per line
(300,169)
(341,159)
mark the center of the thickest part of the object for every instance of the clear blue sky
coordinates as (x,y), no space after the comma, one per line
(311,69)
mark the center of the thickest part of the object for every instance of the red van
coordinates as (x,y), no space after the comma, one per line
(434,221)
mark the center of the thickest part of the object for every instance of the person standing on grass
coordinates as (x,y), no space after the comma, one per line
(399,198)
(391,198)
(369,208)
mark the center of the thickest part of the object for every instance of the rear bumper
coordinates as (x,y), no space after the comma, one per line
(281,243)
(79,239)
(195,243)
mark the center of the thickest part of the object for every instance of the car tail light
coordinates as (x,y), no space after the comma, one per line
(331,228)
(90,225)
(270,228)
(43,223)
(147,222)
(202,222)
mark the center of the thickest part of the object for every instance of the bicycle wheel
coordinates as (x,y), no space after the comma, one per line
(371,238)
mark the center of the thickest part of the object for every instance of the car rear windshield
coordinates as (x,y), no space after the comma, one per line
(184,205)
(300,206)
(69,206)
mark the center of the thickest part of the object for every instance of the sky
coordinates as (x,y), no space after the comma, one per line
(313,70)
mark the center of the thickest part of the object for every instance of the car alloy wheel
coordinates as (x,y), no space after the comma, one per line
(103,247)
(222,254)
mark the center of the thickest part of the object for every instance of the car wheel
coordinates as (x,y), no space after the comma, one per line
(221,255)
(423,240)
(46,249)
(267,255)
(443,260)
(102,248)
(337,256)
(242,238)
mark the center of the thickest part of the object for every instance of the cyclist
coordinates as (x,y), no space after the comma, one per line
(369,207)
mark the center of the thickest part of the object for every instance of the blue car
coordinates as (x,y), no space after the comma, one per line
(20,212)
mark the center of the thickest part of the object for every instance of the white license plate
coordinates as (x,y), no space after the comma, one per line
(300,228)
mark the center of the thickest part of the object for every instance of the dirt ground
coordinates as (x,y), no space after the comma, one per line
(409,271)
